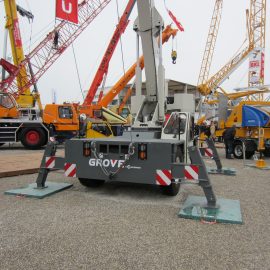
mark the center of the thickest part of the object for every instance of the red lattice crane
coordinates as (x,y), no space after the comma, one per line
(46,53)
(104,65)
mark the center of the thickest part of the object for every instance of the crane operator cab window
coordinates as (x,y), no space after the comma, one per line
(6,101)
(65,112)
(176,124)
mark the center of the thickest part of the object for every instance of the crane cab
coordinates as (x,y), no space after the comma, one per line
(8,106)
(63,117)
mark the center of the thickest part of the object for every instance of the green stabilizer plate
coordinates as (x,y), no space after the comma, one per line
(228,212)
(225,171)
(32,191)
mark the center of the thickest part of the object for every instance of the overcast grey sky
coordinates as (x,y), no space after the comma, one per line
(195,15)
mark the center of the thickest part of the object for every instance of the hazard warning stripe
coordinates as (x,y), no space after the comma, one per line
(191,172)
(50,162)
(70,170)
(163,177)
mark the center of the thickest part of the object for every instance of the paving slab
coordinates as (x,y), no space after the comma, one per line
(16,160)
(18,164)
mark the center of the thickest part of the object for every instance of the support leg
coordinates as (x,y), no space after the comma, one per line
(204,180)
(50,151)
(216,158)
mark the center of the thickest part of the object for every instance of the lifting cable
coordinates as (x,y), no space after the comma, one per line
(181,29)
(30,38)
(121,45)
(55,45)
(77,69)
(31,25)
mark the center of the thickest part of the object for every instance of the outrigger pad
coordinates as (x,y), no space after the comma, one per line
(225,171)
(32,191)
(228,212)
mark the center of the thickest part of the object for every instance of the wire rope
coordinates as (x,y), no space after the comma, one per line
(121,44)
(77,69)
(30,38)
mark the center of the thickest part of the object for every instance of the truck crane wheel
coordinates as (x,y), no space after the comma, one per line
(33,138)
(238,151)
(92,183)
(173,188)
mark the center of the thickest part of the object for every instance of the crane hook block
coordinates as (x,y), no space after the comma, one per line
(174,56)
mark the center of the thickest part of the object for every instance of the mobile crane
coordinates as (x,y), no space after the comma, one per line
(133,157)
(20,120)
(247,132)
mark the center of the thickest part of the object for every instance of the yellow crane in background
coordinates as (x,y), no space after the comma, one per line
(210,43)
(251,118)
(209,51)
(256,39)
(27,99)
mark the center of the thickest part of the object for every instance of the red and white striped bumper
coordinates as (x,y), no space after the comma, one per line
(163,177)
(191,173)
(70,169)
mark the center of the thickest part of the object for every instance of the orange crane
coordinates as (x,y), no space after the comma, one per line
(104,65)
(125,99)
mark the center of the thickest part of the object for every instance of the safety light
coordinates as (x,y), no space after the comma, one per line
(142,151)
(87,149)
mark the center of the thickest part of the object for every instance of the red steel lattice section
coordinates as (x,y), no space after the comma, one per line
(46,53)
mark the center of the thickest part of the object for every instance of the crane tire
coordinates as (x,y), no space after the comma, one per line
(173,188)
(33,137)
(238,151)
(92,183)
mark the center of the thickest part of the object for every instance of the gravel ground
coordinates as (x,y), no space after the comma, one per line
(124,226)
